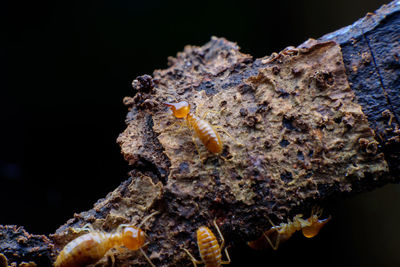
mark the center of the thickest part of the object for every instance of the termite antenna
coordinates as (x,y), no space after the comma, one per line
(195,262)
(147,218)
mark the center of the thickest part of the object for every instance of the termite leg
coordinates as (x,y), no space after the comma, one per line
(222,244)
(86,228)
(197,148)
(147,218)
(227,255)
(139,226)
(220,234)
(195,262)
(205,113)
(112,260)
(208,111)
(147,258)
(181,124)
(274,247)
(180,127)
(172,125)
(225,159)
(391,119)
(197,110)
(228,134)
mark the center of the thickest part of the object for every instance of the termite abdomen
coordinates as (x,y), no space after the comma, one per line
(206,133)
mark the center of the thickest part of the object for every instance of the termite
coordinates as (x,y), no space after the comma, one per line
(210,251)
(91,247)
(207,133)
(282,232)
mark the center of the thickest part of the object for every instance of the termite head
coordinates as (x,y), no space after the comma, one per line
(133,237)
(315,227)
(179,110)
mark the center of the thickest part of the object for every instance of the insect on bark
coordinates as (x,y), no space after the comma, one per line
(210,251)
(310,227)
(207,133)
(91,247)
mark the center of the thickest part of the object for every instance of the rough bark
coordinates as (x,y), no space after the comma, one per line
(305,135)
(371,54)
(19,246)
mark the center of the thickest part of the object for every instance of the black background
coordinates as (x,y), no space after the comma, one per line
(68,64)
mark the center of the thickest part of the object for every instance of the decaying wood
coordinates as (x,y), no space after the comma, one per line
(371,54)
(19,246)
(301,136)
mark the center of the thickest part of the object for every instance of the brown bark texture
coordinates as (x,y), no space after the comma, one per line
(371,54)
(309,124)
